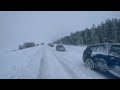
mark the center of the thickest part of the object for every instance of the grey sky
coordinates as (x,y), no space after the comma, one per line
(17,27)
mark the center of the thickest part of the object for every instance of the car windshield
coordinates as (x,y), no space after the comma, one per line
(115,50)
(60,46)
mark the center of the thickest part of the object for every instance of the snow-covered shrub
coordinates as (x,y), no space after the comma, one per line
(26,45)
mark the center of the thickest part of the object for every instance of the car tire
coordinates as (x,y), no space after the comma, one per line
(89,64)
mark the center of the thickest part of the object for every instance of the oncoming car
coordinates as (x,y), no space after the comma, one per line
(103,57)
(60,48)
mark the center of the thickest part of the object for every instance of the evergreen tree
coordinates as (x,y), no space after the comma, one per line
(109,31)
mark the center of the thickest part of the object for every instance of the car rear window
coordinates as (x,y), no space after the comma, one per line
(91,48)
(115,50)
(100,49)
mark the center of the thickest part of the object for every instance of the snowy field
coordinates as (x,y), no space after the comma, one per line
(44,62)
(19,64)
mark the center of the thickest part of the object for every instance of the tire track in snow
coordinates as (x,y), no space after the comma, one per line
(74,67)
(42,67)
(66,67)
(27,67)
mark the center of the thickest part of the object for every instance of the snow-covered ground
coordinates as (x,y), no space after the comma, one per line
(20,64)
(44,62)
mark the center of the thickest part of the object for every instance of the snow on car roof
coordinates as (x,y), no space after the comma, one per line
(105,44)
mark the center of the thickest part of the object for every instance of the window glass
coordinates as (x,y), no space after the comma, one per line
(100,49)
(92,48)
(115,50)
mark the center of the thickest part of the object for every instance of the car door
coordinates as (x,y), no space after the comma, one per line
(115,60)
(115,55)
(99,56)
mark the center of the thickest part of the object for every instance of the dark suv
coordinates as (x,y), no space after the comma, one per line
(60,48)
(103,57)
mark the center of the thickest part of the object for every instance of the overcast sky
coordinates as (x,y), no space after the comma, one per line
(17,27)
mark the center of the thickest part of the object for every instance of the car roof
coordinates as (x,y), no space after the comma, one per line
(59,45)
(105,44)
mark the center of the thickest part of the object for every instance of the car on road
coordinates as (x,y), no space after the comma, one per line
(37,44)
(51,45)
(42,43)
(103,57)
(60,48)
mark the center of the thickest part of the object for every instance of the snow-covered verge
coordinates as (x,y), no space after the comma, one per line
(19,64)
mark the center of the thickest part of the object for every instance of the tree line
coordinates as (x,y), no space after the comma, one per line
(106,32)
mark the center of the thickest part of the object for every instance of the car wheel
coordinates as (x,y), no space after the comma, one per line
(89,64)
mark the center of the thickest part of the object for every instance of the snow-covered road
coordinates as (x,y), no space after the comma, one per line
(44,62)
(66,65)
